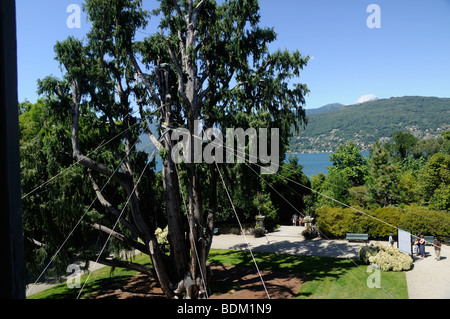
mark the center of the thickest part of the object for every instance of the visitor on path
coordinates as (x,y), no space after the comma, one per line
(437,248)
(416,247)
(422,246)
(391,239)
(294,219)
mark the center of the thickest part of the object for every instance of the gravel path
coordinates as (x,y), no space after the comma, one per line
(428,279)
(287,240)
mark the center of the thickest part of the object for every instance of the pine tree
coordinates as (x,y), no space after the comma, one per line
(383,176)
(208,62)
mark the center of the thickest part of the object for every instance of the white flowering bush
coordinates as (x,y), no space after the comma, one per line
(386,257)
(365,252)
(161,238)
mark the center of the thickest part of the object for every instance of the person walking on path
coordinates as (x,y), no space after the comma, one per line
(422,246)
(294,219)
(391,239)
(437,248)
(416,246)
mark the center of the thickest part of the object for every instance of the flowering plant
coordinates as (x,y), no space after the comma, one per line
(161,238)
(386,257)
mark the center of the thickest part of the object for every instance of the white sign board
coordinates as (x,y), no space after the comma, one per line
(404,241)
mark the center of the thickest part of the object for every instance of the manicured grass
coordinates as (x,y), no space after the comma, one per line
(325,278)
(99,279)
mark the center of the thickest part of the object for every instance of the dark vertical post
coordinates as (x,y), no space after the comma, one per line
(12,279)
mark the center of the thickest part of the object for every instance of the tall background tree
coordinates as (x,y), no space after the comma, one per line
(346,177)
(207,63)
(382,183)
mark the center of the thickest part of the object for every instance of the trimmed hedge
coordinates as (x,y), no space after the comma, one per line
(336,222)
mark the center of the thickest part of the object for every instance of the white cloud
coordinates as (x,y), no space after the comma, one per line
(366,98)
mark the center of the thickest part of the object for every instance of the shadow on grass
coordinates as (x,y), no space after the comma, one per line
(107,283)
(246,282)
(308,268)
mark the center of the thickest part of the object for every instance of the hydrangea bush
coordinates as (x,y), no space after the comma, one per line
(386,257)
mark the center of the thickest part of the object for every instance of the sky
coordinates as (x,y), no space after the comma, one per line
(407,53)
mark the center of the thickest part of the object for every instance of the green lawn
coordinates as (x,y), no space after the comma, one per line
(326,278)
(101,278)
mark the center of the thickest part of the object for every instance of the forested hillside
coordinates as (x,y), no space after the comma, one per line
(371,121)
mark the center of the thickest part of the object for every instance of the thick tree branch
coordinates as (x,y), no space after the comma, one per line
(179,75)
(105,203)
(35,242)
(123,179)
(144,79)
(177,8)
(121,237)
(182,48)
(146,127)
(128,265)
(196,12)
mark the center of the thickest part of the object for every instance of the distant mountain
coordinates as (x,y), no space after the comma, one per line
(375,120)
(325,108)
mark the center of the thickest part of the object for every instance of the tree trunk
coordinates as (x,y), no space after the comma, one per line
(189,258)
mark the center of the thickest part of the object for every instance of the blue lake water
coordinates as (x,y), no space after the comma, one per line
(312,163)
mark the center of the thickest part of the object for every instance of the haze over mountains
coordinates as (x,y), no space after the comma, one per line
(365,123)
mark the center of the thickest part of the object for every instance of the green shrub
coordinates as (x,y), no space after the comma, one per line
(390,215)
(335,222)
(428,221)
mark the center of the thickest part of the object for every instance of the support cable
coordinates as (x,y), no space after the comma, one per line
(101,145)
(239,221)
(243,232)
(117,222)
(192,235)
(335,200)
(337,247)
(79,221)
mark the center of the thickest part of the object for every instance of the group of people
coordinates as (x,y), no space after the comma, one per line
(296,218)
(419,246)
